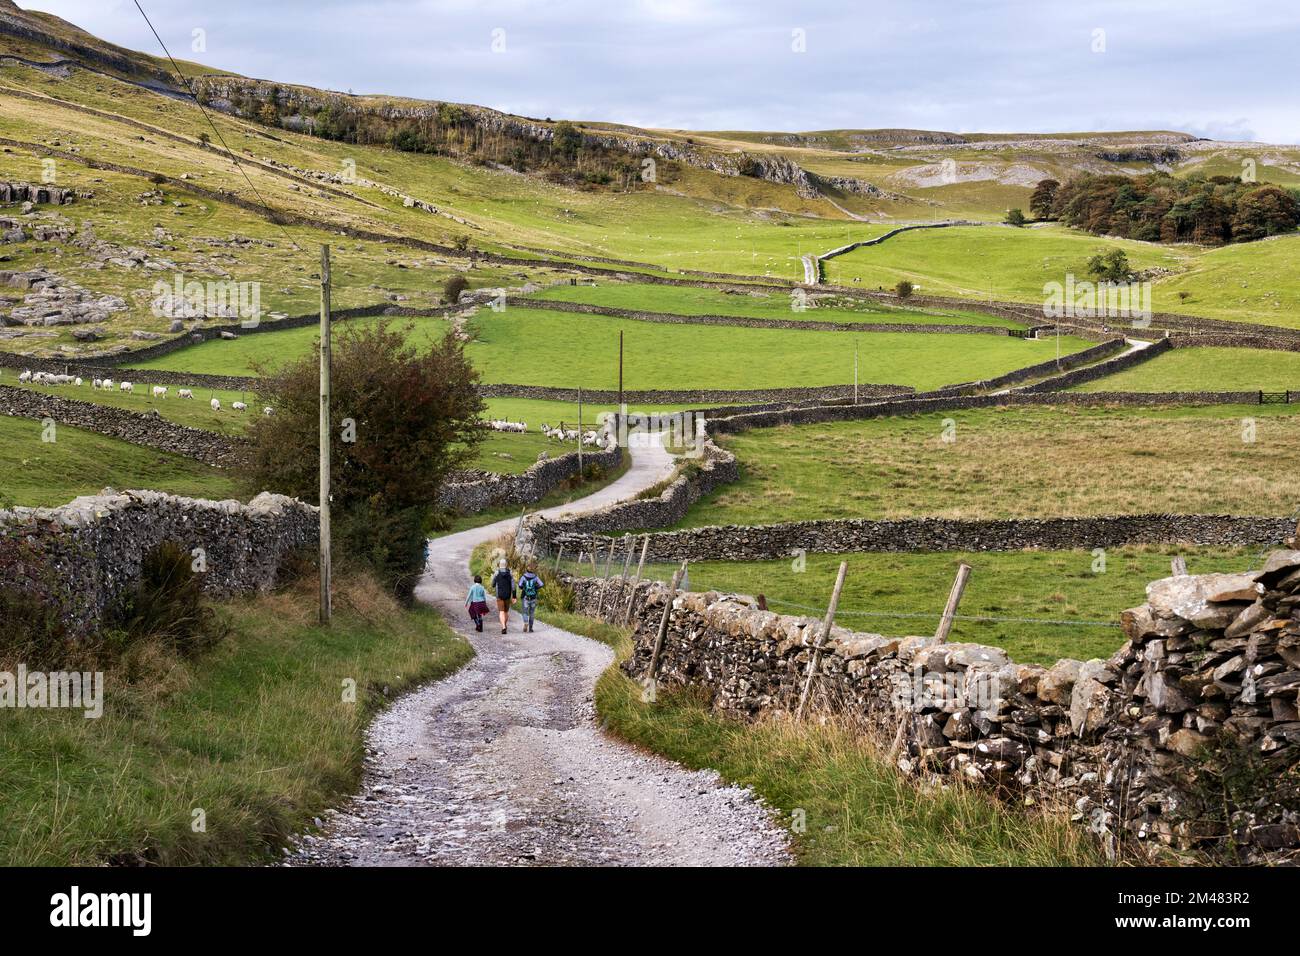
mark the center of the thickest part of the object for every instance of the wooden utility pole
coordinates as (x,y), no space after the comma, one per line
(815,664)
(631,597)
(326,605)
(954,599)
(620,371)
(663,623)
(579,434)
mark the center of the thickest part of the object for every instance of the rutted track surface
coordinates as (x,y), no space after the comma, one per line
(503,763)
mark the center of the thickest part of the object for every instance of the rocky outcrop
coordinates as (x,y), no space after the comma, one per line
(85,557)
(38,194)
(50,299)
(1138,748)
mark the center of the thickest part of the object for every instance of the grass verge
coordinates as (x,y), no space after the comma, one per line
(857,809)
(255,733)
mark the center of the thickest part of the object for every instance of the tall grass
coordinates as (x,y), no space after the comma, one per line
(256,733)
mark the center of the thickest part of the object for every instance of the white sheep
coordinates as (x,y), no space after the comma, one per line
(216,404)
(77,381)
(108,385)
(160,391)
(239,406)
(97,383)
(185,393)
(25,376)
(267,411)
(127,387)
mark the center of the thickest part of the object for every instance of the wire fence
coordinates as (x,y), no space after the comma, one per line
(655,571)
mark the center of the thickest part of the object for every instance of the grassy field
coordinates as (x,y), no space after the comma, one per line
(687,300)
(1021,462)
(196,412)
(1244,282)
(903,594)
(858,809)
(546,348)
(1206,369)
(37,473)
(255,733)
(534,347)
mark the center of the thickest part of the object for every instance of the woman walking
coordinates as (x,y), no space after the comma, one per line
(503,585)
(476,602)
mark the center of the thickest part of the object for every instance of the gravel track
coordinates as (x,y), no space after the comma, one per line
(503,763)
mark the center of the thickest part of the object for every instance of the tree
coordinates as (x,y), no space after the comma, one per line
(402,419)
(454,286)
(566,141)
(1016,217)
(1043,198)
(204,138)
(1110,266)
(1266,211)
(268,114)
(904,289)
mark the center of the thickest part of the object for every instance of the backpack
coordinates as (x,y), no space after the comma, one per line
(529,585)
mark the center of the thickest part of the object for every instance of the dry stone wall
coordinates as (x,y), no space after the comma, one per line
(148,429)
(772,541)
(1135,747)
(86,556)
(493,490)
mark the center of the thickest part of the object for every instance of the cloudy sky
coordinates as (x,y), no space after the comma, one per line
(1220,68)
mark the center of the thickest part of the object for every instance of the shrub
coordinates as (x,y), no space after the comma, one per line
(1016,217)
(167,604)
(904,289)
(415,418)
(453,287)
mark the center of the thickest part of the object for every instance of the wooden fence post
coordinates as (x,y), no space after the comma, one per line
(663,624)
(1179,566)
(558,555)
(631,597)
(604,584)
(822,636)
(954,599)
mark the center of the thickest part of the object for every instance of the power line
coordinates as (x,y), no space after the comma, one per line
(189,88)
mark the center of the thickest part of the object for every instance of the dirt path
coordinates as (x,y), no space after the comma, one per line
(503,763)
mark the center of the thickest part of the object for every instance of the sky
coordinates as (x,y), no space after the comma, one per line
(1214,68)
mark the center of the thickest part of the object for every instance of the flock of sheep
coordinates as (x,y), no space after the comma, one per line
(128,388)
(593,438)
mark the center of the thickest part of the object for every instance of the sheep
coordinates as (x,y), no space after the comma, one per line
(216,404)
(25,376)
(267,411)
(160,391)
(108,385)
(239,406)
(97,383)
(185,393)
(127,387)
(77,381)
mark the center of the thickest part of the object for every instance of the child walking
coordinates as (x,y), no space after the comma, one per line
(476,602)
(530,586)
